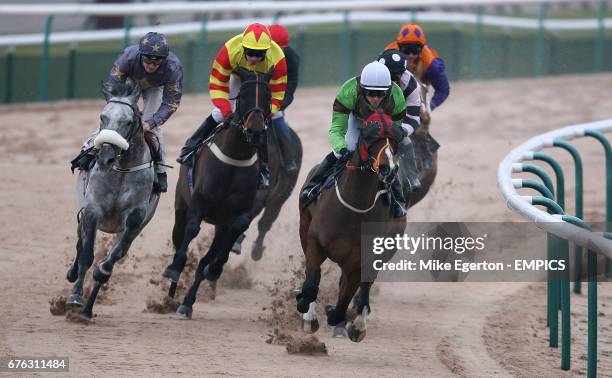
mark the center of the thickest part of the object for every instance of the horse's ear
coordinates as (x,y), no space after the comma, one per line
(269,74)
(106,90)
(241,72)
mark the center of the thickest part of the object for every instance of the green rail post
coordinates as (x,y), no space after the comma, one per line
(44,64)
(541,173)
(560,197)
(456,53)
(600,37)
(578,197)
(345,42)
(413,16)
(70,84)
(533,184)
(200,77)
(190,63)
(554,288)
(608,149)
(276,17)
(538,62)
(477,45)
(8,74)
(127,26)
(565,310)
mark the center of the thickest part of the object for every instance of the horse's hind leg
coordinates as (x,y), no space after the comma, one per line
(102,272)
(87,236)
(264,225)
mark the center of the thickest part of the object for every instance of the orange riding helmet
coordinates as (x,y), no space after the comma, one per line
(411,34)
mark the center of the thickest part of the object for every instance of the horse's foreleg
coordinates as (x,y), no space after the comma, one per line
(104,269)
(348,285)
(310,289)
(220,241)
(73,272)
(191,230)
(87,235)
(357,328)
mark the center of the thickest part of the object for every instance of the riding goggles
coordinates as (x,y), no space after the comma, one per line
(156,60)
(255,53)
(411,48)
(374,93)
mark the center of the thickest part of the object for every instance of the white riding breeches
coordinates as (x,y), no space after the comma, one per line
(152,99)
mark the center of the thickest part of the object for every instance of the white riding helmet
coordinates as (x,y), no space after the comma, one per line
(375,76)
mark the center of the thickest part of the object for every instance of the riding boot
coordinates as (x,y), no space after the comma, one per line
(186,154)
(309,191)
(399,202)
(161,185)
(409,160)
(264,172)
(84,161)
(284,144)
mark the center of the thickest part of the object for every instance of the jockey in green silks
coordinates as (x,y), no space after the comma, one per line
(357,99)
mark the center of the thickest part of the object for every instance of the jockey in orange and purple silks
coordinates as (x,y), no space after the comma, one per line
(422,61)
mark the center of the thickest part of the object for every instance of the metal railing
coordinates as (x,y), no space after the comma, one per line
(562,227)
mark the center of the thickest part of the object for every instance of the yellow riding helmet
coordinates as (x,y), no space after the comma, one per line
(411,34)
(256,37)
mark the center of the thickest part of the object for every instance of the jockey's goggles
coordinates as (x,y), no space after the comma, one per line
(156,60)
(411,48)
(255,53)
(374,92)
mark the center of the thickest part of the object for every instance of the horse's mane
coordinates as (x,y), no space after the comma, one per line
(121,89)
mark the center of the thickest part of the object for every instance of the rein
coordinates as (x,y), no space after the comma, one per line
(374,167)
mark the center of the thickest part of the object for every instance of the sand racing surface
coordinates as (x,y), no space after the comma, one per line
(416,329)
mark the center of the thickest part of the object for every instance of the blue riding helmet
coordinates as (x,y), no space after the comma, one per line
(154,44)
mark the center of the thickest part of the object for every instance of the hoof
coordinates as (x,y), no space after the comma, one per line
(257,252)
(309,326)
(340,331)
(73,272)
(355,334)
(101,276)
(86,315)
(184,312)
(75,300)
(237,248)
(171,274)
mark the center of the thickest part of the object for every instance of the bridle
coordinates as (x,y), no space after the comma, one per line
(243,118)
(135,129)
(373,162)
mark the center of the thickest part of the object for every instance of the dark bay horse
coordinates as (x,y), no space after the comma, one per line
(330,228)
(225,181)
(118,197)
(426,150)
(282,182)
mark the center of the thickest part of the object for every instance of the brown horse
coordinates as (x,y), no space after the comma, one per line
(330,228)
(426,150)
(225,180)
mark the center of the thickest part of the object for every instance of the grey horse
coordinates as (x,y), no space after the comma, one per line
(116,195)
